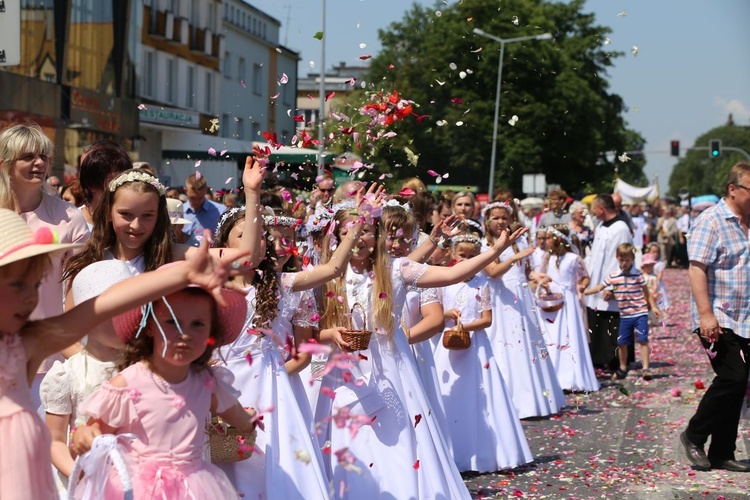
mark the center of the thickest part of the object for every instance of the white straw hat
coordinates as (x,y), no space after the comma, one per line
(19,242)
(174,207)
(95,278)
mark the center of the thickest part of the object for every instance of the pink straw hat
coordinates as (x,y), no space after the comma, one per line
(648,259)
(231,317)
(19,242)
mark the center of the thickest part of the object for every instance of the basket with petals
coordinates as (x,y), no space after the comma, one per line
(456,338)
(227,443)
(358,340)
(549,302)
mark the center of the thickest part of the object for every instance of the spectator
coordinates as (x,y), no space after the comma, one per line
(174,193)
(602,312)
(230,200)
(73,193)
(101,162)
(463,204)
(556,213)
(666,232)
(322,193)
(719,279)
(200,211)
(578,228)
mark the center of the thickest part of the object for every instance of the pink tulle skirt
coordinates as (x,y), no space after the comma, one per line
(25,462)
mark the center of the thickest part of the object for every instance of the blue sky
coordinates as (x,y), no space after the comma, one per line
(691,71)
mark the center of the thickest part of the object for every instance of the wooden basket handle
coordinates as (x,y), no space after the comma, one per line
(364,316)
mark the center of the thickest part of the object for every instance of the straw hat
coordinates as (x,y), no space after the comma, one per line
(648,259)
(95,278)
(174,207)
(231,317)
(19,242)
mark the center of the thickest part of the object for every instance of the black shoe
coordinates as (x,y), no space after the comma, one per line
(695,453)
(619,374)
(733,465)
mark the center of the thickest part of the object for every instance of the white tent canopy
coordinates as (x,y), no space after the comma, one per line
(632,194)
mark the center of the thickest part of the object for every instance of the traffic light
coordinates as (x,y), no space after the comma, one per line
(675,148)
(714,148)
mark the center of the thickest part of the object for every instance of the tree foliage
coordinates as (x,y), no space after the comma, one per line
(701,174)
(568,118)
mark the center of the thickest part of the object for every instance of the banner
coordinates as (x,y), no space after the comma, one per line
(631,194)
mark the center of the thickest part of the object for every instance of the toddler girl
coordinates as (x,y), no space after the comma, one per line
(484,426)
(568,345)
(165,393)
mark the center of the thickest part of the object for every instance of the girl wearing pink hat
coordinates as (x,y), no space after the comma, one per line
(164,396)
(24,260)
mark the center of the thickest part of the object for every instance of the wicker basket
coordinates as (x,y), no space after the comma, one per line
(358,340)
(456,338)
(550,302)
(227,443)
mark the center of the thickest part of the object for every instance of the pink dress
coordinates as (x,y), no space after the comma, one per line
(25,459)
(168,422)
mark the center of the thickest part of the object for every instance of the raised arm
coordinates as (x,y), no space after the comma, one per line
(439,233)
(252,235)
(335,267)
(46,337)
(496,269)
(435,276)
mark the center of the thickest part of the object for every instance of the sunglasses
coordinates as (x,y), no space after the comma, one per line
(329,190)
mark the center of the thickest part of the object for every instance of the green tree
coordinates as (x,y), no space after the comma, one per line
(701,174)
(568,119)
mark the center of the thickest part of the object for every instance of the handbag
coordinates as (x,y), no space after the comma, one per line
(456,338)
(227,443)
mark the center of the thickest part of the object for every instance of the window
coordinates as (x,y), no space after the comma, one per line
(212,17)
(240,128)
(147,78)
(241,70)
(224,130)
(227,64)
(257,79)
(209,97)
(286,93)
(190,97)
(195,13)
(171,90)
(256,131)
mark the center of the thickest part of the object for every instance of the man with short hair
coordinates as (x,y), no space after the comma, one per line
(720,279)
(602,311)
(201,212)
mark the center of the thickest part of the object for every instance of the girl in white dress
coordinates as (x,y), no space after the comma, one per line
(566,329)
(265,364)
(381,438)
(517,338)
(486,431)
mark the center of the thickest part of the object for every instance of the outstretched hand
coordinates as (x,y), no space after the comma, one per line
(506,239)
(447,228)
(211,272)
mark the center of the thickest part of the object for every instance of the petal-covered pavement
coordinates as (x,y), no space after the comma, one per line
(623,441)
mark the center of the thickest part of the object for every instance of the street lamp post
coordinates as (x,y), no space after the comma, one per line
(502,42)
(322,91)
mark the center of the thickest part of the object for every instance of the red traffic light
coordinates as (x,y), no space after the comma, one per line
(675,148)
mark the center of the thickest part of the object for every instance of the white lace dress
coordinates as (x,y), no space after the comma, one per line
(486,431)
(66,385)
(423,356)
(289,464)
(383,441)
(519,345)
(566,330)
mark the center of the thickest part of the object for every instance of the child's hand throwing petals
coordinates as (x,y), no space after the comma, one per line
(212,273)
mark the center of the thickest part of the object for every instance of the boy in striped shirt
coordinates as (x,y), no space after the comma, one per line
(633,299)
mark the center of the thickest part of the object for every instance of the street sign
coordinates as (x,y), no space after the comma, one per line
(534,184)
(10,27)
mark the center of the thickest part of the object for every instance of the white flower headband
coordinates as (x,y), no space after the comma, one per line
(318,222)
(567,239)
(279,220)
(466,238)
(474,224)
(139,177)
(226,215)
(393,202)
(496,204)
(347,204)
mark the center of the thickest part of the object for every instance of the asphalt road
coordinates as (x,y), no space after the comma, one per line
(623,441)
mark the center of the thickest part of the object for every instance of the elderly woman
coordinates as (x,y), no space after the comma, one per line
(577,225)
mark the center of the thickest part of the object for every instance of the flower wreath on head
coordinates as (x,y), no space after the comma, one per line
(496,204)
(393,202)
(348,204)
(226,215)
(136,176)
(271,219)
(474,224)
(560,236)
(466,238)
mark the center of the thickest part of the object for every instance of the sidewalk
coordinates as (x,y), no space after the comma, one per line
(624,440)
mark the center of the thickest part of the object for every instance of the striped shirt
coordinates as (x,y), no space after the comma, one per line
(628,290)
(719,241)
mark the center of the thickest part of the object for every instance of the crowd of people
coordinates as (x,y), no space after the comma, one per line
(375,344)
